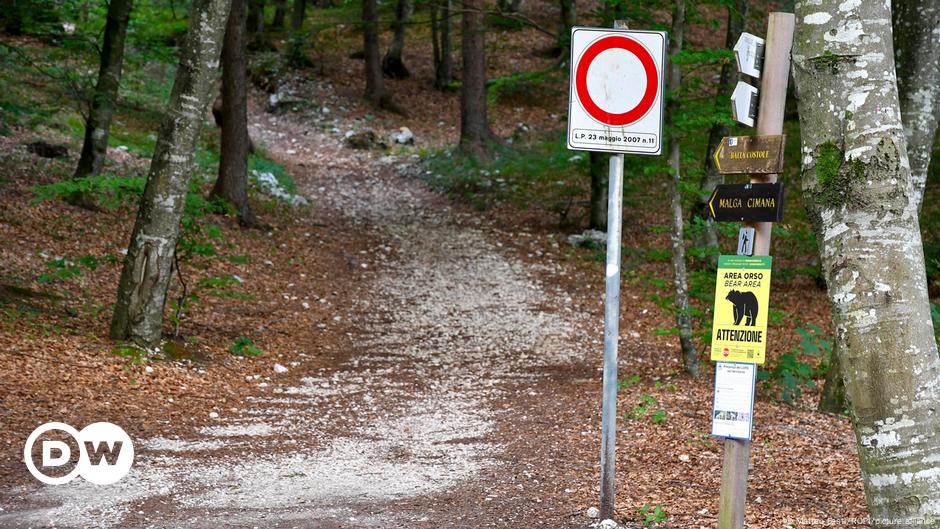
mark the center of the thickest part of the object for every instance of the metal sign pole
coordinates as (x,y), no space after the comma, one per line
(773,93)
(611,334)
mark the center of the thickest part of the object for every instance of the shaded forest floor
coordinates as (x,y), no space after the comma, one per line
(443,356)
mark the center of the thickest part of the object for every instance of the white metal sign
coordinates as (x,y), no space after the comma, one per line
(734,400)
(616,91)
(744,103)
(749,53)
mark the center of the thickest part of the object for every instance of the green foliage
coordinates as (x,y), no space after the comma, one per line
(107,190)
(62,269)
(544,175)
(649,514)
(644,409)
(132,352)
(627,383)
(522,84)
(790,374)
(244,346)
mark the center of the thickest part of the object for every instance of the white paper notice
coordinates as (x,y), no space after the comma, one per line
(734,399)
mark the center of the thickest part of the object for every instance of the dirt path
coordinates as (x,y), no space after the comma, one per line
(419,426)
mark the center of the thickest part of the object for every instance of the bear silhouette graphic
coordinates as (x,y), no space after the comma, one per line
(745,306)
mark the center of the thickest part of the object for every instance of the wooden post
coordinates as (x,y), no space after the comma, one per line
(773,96)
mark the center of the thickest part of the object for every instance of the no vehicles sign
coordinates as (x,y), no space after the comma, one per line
(616,92)
(742,292)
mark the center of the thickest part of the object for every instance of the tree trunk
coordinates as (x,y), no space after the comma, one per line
(232,184)
(255,23)
(569,18)
(392,64)
(917,55)
(295,45)
(280,13)
(832,398)
(475,133)
(13,11)
(297,15)
(680,280)
(138,313)
(858,191)
(704,230)
(104,99)
(597,214)
(375,84)
(441,34)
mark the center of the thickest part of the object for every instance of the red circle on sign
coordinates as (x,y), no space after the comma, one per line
(649,66)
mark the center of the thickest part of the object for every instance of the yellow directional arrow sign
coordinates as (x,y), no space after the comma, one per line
(750,155)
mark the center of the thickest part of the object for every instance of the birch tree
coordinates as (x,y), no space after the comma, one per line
(917,54)
(674,158)
(141,296)
(858,190)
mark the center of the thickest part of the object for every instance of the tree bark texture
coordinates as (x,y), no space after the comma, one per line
(255,22)
(104,98)
(917,56)
(280,13)
(375,84)
(597,212)
(442,36)
(832,398)
(141,296)
(475,133)
(232,183)
(674,158)
(569,18)
(392,64)
(858,190)
(706,234)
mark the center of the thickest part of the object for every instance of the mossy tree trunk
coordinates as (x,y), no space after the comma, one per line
(104,98)
(674,158)
(917,56)
(858,190)
(141,296)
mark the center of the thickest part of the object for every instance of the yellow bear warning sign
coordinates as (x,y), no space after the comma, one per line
(742,292)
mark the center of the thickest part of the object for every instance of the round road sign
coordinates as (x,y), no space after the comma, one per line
(631,46)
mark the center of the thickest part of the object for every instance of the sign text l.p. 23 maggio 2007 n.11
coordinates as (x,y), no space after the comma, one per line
(613,137)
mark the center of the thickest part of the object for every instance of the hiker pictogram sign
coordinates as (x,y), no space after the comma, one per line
(616,91)
(742,292)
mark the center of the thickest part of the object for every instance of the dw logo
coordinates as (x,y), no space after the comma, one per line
(105,453)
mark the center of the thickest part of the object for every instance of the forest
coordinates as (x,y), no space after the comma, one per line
(475,263)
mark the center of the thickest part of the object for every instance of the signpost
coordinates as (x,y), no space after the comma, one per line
(615,105)
(744,103)
(750,155)
(749,54)
(774,75)
(747,202)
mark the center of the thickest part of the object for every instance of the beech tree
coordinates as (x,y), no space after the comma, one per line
(375,85)
(442,43)
(104,98)
(859,192)
(475,133)
(232,183)
(674,159)
(141,296)
(917,56)
(392,64)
